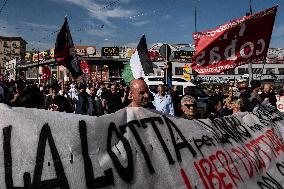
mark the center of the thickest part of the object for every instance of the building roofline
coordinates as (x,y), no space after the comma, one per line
(14,38)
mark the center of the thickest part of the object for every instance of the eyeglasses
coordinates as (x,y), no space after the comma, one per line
(190,105)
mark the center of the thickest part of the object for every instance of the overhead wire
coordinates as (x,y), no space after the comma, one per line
(108,5)
(4,4)
(132,19)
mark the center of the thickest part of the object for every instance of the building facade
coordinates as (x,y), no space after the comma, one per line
(10,48)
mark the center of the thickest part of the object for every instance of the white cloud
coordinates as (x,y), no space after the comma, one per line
(131,44)
(41,26)
(101,32)
(167,16)
(39,45)
(140,23)
(96,9)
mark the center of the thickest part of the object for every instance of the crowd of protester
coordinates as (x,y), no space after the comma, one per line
(97,99)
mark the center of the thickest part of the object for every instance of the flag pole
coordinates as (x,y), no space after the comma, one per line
(250,64)
(195,14)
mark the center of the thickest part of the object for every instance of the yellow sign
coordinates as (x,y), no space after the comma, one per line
(186,72)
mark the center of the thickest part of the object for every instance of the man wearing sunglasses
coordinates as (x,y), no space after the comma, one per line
(189,107)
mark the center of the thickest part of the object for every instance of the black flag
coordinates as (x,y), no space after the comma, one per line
(145,60)
(65,53)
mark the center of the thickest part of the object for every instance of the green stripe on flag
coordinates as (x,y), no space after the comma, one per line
(127,75)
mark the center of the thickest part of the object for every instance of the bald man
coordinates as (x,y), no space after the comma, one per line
(268,94)
(139,92)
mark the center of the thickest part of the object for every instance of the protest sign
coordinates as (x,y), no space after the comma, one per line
(140,148)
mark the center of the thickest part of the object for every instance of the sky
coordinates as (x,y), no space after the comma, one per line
(122,22)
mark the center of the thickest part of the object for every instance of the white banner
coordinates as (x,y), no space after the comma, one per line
(139,148)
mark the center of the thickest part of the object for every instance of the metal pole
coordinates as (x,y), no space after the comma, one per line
(101,69)
(166,70)
(250,64)
(195,19)
(96,72)
(38,67)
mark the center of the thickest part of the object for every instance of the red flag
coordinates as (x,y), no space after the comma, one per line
(236,43)
(85,67)
(46,73)
(65,52)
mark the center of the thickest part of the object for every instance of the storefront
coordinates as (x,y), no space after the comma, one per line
(105,69)
(101,69)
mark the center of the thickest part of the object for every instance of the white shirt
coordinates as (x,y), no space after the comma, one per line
(164,104)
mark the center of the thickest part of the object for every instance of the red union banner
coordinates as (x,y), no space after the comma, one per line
(236,43)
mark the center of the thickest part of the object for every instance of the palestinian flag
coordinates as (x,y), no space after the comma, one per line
(140,64)
(65,53)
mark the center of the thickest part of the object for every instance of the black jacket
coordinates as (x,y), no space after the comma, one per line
(271,96)
(250,100)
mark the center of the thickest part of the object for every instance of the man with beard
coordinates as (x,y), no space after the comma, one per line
(268,94)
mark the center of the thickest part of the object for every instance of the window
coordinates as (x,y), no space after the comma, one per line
(229,72)
(178,70)
(156,79)
(5,44)
(179,80)
(257,70)
(243,71)
(54,67)
(162,79)
(270,70)
(15,45)
(114,72)
(281,71)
